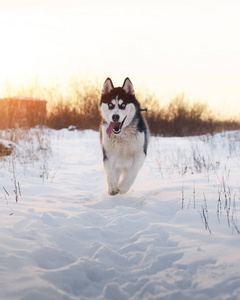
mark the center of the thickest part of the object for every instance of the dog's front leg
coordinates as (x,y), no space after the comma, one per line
(130,174)
(112,177)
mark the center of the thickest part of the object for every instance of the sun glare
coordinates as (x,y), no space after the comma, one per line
(172,47)
(17,53)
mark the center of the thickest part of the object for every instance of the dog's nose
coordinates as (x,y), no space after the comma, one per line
(115,118)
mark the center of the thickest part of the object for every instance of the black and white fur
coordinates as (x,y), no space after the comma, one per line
(124,146)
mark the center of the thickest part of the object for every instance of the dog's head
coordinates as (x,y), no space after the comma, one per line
(118,105)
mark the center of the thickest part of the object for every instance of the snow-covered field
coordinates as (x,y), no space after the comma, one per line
(175,235)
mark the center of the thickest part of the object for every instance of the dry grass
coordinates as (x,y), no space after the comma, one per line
(4,150)
(30,150)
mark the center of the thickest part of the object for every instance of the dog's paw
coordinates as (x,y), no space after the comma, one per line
(123,190)
(113,192)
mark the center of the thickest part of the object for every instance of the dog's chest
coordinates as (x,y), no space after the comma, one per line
(128,142)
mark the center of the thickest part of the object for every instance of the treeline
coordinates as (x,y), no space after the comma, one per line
(178,118)
(182,118)
(78,105)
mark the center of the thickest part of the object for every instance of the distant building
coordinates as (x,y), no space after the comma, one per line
(22,112)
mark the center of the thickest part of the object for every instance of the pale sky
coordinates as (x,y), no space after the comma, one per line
(168,47)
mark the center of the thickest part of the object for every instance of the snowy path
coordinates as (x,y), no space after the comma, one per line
(67,239)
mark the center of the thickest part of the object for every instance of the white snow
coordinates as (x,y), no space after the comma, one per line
(173,236)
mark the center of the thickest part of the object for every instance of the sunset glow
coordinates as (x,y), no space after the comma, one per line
(168,47)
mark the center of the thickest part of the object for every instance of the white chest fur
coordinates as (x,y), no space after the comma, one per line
(128,142)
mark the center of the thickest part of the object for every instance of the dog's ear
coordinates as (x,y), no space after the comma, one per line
(107,86)
(128,87)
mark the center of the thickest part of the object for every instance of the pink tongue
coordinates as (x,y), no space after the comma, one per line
(110,128)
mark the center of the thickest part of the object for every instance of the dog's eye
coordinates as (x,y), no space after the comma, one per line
(122,106)
(110,105)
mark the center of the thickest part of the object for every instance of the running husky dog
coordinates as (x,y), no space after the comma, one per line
(124,136)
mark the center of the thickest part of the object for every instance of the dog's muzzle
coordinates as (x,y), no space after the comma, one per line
(115,127)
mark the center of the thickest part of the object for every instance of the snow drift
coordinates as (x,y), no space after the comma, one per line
(175,235)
